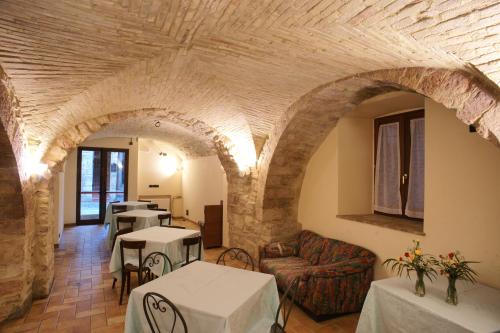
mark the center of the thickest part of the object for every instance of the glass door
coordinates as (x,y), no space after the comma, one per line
(102,175)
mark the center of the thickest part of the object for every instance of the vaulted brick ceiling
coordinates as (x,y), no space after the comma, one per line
(235,65)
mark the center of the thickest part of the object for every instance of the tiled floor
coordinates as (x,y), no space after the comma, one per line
(82,300)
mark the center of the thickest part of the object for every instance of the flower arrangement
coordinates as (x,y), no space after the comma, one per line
(455,267)
(414,260)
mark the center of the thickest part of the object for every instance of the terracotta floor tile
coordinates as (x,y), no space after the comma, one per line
(98,320)
(48,325)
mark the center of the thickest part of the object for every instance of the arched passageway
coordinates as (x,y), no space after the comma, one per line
(308,121)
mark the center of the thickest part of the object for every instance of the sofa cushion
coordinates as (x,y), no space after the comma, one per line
(310,246)
(337,251)
(281,249)
(286,270)
(274,265)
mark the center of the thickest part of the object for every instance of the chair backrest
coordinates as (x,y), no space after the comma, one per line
(191,241)
(235,253)
(132,245)
(152,206)
(172,226)
(156,306)
(118,209)
(167,217)
(125,219)
(155,259)
(121,232)
(285,307)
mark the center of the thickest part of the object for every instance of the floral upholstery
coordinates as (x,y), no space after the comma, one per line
(335,276)
(310,246)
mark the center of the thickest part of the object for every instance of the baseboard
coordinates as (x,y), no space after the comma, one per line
(189,220)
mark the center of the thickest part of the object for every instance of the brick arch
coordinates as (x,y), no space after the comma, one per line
(307,122)
(60,148)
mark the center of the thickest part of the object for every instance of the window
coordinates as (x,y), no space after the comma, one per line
(399,165)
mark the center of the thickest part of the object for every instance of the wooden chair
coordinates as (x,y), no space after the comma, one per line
(235,253)
(152,206)
(172,226)
(120,232)
(286,305)
(188,242)
(127,269)
(155,259)
(125,219)
(115,209)
(167,217)
(155,303)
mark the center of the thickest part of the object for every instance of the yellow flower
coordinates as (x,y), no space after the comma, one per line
(418,252)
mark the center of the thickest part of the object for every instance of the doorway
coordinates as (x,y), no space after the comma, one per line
(102,177)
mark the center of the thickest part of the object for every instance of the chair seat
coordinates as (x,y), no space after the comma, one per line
(132,265)
(131,268)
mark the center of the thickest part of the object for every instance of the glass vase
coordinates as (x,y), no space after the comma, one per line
(451,294)
(419,285)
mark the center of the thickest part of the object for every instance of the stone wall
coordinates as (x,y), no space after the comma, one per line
(14,257)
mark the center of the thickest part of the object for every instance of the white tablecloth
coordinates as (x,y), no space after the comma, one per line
(131,205)
(391,306)
(158,239)
(212,299)
(144,219)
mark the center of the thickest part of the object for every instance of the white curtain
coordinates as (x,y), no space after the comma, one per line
(387,170)
(415,202)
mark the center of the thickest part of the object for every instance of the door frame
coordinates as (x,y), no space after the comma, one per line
(103,183)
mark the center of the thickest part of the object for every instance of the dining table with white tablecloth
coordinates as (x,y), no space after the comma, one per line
(145,218)
(158,239)
(212,299)
(131,205)
(392,306)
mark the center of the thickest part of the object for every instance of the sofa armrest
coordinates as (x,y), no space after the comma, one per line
(340,269)
(280,249)
(338,288)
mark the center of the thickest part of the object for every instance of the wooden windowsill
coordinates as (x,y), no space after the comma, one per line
(384,221)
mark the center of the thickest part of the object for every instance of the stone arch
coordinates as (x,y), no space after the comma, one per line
(308,121)
(241,187)
(59,149)
(16,218)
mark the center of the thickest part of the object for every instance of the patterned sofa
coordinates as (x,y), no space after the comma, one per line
(335,276)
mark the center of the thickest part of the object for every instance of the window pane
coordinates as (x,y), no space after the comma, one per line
(91,171)
(415,202)
(89,206)
(90,184)
(388,170)
(116,172)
